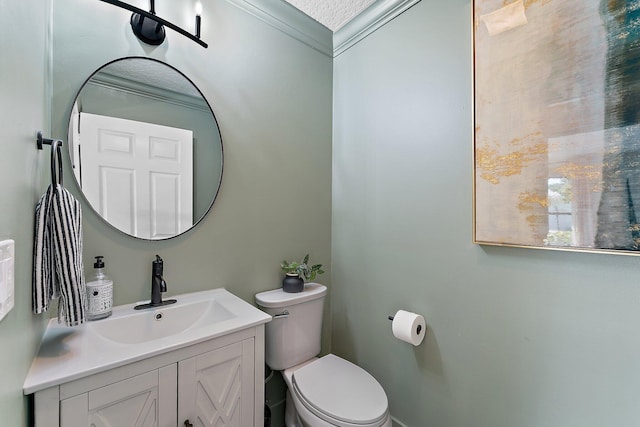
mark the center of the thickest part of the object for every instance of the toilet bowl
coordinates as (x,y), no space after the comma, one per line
(322,392)
(332,392)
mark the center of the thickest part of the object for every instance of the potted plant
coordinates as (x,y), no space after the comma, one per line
(297,272)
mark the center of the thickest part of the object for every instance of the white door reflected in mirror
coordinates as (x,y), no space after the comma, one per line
(138,175)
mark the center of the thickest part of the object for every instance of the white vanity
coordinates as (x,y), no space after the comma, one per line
(197,362)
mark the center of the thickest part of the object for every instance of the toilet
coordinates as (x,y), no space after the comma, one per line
(322,392)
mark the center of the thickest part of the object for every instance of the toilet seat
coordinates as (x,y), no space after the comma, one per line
(340,393)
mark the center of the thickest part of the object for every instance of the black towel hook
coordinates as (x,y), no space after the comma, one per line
(56,150)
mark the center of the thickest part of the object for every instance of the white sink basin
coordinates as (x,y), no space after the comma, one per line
(129,335)
(136,326)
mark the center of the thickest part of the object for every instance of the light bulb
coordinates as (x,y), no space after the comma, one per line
(198,18)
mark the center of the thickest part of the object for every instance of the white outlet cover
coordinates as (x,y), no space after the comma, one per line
(7,261)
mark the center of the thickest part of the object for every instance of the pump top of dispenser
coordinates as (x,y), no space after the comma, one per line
(99,263)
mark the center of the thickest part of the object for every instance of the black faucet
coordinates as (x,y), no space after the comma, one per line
(158,286)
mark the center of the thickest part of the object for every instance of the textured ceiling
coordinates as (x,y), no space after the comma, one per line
(152,73)
(333,14)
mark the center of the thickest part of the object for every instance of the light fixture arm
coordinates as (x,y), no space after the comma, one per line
(151,15)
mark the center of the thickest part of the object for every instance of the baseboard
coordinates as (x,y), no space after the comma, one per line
(397,423)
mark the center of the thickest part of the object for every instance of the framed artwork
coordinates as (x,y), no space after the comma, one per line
(557,124)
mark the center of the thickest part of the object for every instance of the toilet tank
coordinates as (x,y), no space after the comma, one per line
(294,334)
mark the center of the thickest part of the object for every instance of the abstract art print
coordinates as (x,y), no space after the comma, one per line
(557,124)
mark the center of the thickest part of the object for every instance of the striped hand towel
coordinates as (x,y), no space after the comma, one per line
(58,270)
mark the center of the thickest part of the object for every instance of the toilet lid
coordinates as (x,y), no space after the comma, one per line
(340,390)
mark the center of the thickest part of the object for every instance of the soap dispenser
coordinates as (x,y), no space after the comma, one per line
(99,292)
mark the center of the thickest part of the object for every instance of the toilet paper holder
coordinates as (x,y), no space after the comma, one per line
(418,329)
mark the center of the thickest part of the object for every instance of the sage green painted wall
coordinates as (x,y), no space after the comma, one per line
(516,337)
(23,111)
(272,97)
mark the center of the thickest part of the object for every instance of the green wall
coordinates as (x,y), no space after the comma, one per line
(23,111)
(516,337)
(272,98)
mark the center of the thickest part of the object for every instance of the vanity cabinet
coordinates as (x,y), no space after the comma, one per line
(218,382)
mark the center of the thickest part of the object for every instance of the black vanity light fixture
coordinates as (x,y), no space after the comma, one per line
(149,27)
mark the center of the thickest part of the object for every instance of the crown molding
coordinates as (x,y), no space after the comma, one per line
(372,18)
(286,18)
(144,90)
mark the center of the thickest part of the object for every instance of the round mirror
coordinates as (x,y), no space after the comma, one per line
(145,148)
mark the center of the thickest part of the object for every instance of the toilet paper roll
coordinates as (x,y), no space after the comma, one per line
(408,327)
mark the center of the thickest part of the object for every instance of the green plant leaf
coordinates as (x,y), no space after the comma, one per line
(302,269)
